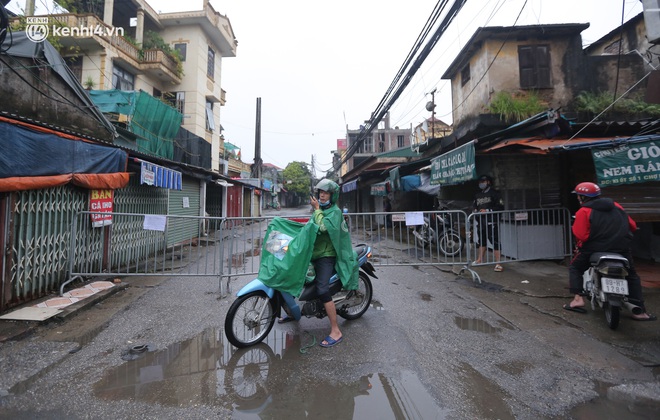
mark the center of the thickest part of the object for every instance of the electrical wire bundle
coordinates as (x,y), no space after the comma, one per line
(403,76)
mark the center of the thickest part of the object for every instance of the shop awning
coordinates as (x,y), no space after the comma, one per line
(349,186)
(159,176)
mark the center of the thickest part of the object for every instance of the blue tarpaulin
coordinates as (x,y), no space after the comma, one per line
(35,154)
(410,182)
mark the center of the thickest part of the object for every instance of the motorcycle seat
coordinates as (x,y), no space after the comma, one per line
(361,250)
(596,257)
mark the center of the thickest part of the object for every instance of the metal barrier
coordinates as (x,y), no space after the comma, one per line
(143,245)
(520,235)
(413,238)
(227,248)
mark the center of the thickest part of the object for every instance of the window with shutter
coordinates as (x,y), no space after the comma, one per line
(534,64)
(465,74)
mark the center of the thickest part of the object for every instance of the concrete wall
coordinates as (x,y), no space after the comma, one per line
(566,60)
(25,98)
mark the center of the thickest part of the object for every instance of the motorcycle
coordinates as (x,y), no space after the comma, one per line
(274,205)
(440,232)
(606,285)
(252,315)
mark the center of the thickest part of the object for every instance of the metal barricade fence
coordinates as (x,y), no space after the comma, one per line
(395,243)
(412,238)
(520,235)
(130,244)
(227,248)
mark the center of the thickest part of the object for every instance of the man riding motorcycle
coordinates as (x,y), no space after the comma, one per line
(602,225)
(332,252)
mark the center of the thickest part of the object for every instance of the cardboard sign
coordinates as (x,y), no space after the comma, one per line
(101,202)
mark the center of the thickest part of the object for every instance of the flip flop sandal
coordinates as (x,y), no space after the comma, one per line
(578,309)
(650,318)
(498,268)
(329,341)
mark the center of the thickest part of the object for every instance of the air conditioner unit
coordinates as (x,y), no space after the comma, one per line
(652,20)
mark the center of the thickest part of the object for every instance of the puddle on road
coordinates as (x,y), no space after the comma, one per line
(474,324)
(487,397)
(256,382)
(604,407)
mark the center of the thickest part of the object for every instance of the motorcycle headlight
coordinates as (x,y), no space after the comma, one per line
(277,244)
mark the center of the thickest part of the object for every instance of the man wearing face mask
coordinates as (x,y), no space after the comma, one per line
(332,252)
(488,200)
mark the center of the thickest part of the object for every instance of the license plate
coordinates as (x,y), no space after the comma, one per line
(617,286)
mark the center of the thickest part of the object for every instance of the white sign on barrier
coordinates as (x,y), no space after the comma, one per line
(414,218)
(154,222)
(399,217)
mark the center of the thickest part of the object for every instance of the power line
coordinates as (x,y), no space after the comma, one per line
(392,94)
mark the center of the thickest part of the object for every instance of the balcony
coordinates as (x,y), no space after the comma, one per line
(158,64)
(87,31)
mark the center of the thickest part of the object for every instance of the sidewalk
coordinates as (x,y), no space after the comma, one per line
(21,321)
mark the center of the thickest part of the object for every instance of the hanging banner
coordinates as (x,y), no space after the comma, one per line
(101,201)
(627,163)
(454,167)
(395,179)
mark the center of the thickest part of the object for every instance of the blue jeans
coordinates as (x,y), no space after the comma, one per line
(325,268)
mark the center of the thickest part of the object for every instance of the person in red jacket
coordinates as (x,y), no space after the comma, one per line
(602,225)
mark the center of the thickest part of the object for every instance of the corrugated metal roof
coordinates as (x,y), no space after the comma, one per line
(537,145)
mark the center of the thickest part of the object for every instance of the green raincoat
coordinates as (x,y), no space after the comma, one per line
(286,271)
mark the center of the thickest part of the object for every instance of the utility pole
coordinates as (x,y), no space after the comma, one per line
(256,166)
(311,176)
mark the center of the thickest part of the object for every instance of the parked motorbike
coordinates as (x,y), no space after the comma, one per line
(274,205)
(251,317)
(439,230)
(606,285)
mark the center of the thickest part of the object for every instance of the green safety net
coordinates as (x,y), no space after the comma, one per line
(155,123)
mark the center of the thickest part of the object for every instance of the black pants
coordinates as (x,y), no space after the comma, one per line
(488,229)
(580,263)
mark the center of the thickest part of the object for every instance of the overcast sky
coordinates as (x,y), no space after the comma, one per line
(321,66)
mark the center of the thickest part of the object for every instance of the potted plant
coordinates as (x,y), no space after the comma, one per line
(89,83)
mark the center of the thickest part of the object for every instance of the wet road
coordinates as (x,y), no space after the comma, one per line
(432,346)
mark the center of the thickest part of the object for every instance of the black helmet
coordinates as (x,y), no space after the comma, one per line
(486,178)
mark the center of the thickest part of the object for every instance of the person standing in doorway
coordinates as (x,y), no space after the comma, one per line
(387,208)
(487,200)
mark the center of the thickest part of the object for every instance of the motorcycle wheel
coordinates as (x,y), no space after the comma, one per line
(612,315)
(450,244)
(243,325)
(365,290)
